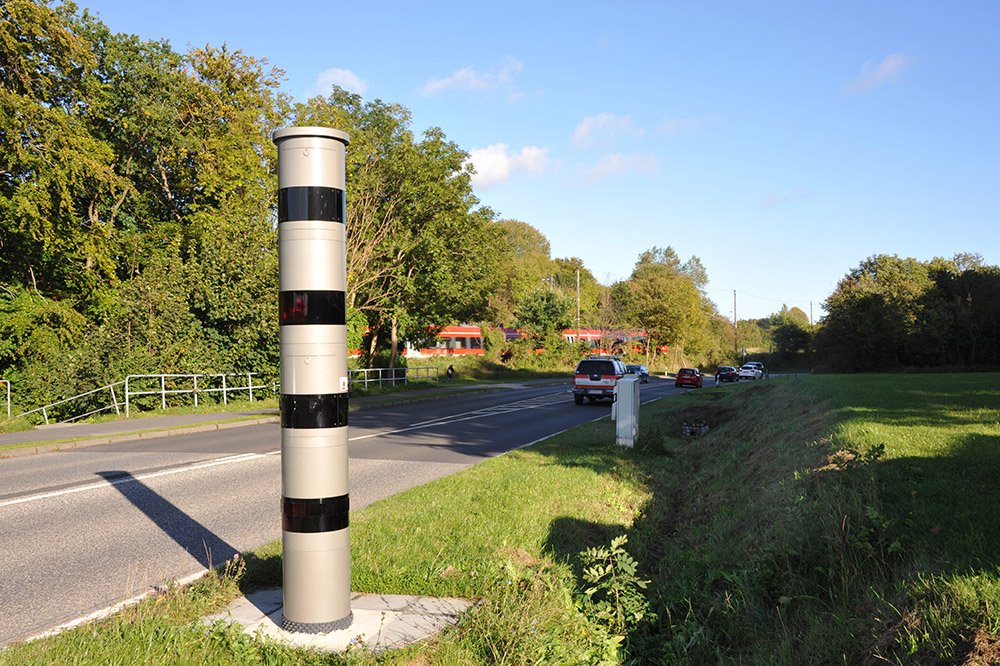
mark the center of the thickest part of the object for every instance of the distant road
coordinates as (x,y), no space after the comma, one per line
(86,528)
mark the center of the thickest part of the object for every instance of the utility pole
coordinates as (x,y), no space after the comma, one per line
(810,313)
(736,337)
(578,306)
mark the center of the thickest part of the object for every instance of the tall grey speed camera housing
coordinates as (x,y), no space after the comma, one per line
(315,489)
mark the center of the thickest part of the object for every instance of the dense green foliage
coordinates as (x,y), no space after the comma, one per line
(420,253)
(137,210)
(135,219)
(137,222)
(666,299)
(891,313)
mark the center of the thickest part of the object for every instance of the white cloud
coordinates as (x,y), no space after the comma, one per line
(502,77)
(597,130)
(617,163)
(773,200)
(889,69)
(344,78)
(677,125)
(496,164)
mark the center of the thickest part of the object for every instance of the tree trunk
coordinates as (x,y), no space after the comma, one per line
(394,337)
(372,346)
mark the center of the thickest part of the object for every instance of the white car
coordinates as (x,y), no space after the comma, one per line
(752,370)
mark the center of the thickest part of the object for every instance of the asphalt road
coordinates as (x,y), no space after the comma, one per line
(86,528)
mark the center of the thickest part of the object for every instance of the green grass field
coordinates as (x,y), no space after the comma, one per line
(822,520)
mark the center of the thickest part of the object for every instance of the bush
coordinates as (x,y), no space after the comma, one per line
(494,342)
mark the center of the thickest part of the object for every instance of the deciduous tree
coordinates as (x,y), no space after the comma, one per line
(420,252)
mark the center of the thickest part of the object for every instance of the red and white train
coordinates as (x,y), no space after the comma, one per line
(467,340)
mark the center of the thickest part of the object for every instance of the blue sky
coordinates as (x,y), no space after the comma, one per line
(781,143)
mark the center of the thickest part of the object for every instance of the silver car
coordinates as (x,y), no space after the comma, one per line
(752,370)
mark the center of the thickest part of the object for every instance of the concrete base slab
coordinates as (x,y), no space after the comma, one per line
(380,621)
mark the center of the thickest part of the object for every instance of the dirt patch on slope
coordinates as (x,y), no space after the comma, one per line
(982,650)
(711,415)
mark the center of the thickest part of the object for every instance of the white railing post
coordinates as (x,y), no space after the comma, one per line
(392,375)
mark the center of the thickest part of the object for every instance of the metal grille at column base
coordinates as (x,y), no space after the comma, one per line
(316,627)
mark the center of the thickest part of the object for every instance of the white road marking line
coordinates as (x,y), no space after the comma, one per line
(243,457)
(531,403)
(455,418)
(499,410)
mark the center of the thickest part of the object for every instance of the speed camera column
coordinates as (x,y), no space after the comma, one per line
(315,488)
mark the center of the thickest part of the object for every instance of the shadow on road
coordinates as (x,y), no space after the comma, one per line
(200,542)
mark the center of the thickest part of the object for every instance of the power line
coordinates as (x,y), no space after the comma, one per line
(768,298)
(609,277)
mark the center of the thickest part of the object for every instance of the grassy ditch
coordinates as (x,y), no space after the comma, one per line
(821,520)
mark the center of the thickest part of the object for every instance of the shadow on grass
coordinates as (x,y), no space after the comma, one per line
(950,502)
(568,539)
(262,572)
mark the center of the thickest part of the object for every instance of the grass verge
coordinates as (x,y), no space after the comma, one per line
(821,520)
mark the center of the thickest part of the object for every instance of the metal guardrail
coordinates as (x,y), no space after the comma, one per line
(391,376)
(6,383)
(115,405)
(127,396)
(164,385)
(163,391)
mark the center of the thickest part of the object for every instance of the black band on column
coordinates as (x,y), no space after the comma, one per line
(312,307)
(313,411)
(327,514)
(324,204)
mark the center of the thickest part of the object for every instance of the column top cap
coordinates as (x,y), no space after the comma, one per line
(302,132)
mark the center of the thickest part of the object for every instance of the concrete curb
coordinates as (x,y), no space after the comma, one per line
(130,437)
(380,621)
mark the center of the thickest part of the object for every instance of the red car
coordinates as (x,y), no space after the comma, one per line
(688,377)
